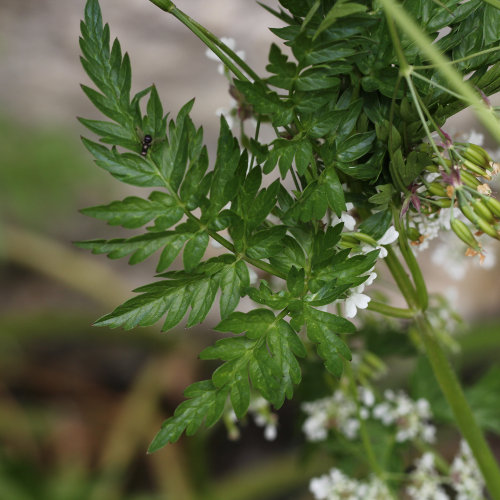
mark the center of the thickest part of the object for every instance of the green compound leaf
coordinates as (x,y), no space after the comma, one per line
(205,406)
(109,71)
(322,328)
(126,167)
(271,360)
(339,10)
(224,182)
(133,212)
(141,247)
(174,295)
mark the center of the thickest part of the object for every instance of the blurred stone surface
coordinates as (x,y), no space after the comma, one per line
(40,72)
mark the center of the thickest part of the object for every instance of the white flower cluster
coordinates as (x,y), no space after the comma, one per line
(465,476)
(336,412)
(429,226)
(411,418)
(262,416)
(337,486)
(425,482)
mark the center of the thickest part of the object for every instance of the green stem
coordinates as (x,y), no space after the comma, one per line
(365,436)
(402,280)
(394,312)
(220,49)
(411,262)
(437,85)
(461,59)
(449,384)
(463,414)
(260,264)
(416,101)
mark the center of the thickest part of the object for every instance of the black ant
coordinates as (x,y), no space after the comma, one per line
(146,144)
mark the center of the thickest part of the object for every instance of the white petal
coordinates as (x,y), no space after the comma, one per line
(383,252)
(270,432)
(362,300)
(349,221)
(390,236)
(211,55)
(350,308)
(371,278)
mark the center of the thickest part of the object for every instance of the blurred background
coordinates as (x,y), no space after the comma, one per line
(79,406)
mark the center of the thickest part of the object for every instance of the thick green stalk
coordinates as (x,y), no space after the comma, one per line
(402,280)
(464,417)
(395,11)
(411,262)
(450,385)
(393,312)
(210,40)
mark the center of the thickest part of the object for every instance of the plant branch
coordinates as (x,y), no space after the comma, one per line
(463,414)
(401,277)
(221,50)
(393,312)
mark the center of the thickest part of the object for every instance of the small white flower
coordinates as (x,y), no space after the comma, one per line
(390,236)
(315,427)
(410,417)
(349,221)
(230,42)
(371,278)
(253,276)
(338,486)
(356,301)
(425,482)
(263,417)
(350,428)
(366,396)
(465,475)
(320,487)
(270,432)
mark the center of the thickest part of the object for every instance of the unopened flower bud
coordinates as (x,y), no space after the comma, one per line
(469,180)
(494,205)
(476,155)
(472,167)
(442,203)
(487,228)
(466,209)
(464,233)
(483,211)
(413,233)
(437,189)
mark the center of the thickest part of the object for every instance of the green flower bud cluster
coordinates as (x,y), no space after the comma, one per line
(460,182)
